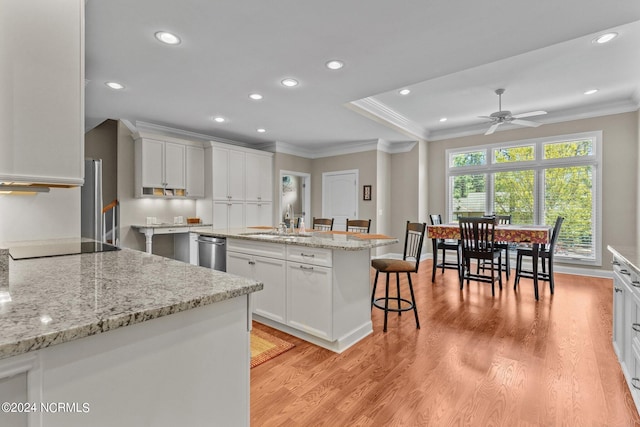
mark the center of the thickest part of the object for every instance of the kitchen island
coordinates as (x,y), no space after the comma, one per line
(317,285)
(123,338)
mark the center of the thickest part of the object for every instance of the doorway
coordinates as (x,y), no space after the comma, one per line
(295,191)
(340,197)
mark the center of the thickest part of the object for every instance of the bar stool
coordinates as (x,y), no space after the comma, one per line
(413,239)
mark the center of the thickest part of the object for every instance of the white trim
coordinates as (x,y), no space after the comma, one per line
(345,148)
(388,115)
(307,195)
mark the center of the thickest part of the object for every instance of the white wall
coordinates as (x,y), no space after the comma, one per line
(44,216)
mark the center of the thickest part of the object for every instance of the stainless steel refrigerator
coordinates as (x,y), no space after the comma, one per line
(92,225)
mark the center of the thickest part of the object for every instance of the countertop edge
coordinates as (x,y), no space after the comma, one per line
(100,325)
(626,254)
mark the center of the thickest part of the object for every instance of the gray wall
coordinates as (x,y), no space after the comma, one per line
(619,168)
(102,143)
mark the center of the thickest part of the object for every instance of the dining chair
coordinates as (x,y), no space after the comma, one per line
(477,236)
(545,253)
(359,225)
(503,246)
(323,224)
(444,245)
(413,240)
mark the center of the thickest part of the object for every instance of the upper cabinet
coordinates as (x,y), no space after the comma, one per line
(42,91)
(259,177)
(168,168)
(228,174)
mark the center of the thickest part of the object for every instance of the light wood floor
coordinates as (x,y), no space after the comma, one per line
(476,361)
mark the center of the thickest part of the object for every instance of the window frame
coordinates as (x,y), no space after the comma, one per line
(538,165)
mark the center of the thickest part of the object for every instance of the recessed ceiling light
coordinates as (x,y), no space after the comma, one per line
(167,38)
(261,130)
(444,119)
(335,64)
(115,85)
(255,96)
(605,38)
(591,92)
(404,92)
(219,119)
(289,82)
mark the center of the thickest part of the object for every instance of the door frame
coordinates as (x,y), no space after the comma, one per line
(356,172)
(306,195)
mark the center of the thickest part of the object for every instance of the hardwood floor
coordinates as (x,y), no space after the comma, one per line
(476,361)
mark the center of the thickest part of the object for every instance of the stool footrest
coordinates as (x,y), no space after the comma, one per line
(396,300)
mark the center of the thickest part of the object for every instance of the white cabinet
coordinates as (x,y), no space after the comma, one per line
(270,302)
(160,168)
(195,172)
(309,299)
(626,323)
(228,174)
(42,87)
(259,177)
(228,215)
(258,213)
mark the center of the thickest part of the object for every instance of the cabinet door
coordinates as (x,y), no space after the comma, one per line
(42,90)
(152,163)
(259,181)
(257,213)
(271,301)
(220,215)
(174,162)
(309,299)
(236,215)
(618,316)
(195,172)
(236,175)
(220,173)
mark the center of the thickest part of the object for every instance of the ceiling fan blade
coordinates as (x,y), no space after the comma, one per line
(493,128)
(529,114)
(525,123)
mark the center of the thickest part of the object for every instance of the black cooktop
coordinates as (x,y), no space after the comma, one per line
(59,249)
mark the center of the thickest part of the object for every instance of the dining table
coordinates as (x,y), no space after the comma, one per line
(535,235)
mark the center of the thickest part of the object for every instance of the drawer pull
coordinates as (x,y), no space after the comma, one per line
(625,272)
(252,263)
(634,383)
(306,268)
(614,262)
(635,283)
(617,289)
(307,255)
(635,327)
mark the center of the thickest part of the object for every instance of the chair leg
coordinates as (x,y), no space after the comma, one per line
(551,284)
(386,304)
(507,262)
(373,293)
(398,292)
(518,270)
(444,259)
(435,260)
(493,279)
(413,301)
(500,270)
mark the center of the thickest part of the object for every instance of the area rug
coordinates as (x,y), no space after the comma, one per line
(265,346)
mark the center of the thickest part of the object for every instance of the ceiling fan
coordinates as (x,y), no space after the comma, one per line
(501,117)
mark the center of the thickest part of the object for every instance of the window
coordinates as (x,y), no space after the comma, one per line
(534,181)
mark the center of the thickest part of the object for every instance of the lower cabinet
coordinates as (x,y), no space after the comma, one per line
(309,299)
(626,324)
(270,302)
(228,215)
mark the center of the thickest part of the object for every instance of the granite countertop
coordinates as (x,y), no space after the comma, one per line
(170,225)
(629,254)
(316,239)
(58,299)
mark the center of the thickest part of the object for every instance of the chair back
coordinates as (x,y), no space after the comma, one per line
(554,234)
(322,224)
(477,236)
(413,239)
(359,225)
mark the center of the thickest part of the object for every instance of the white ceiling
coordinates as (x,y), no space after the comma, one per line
(451,54)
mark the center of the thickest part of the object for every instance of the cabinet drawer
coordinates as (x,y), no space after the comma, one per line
(307,255)
(251,247)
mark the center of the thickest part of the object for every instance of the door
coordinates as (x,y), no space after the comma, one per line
(340,197)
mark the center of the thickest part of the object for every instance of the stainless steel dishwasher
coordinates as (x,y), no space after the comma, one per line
(212,252)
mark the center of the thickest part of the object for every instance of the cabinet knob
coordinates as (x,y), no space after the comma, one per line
(618,289)
(252,263)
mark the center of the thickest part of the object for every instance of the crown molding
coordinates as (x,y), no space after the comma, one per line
(386,115)
(345,148)
(166,131)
